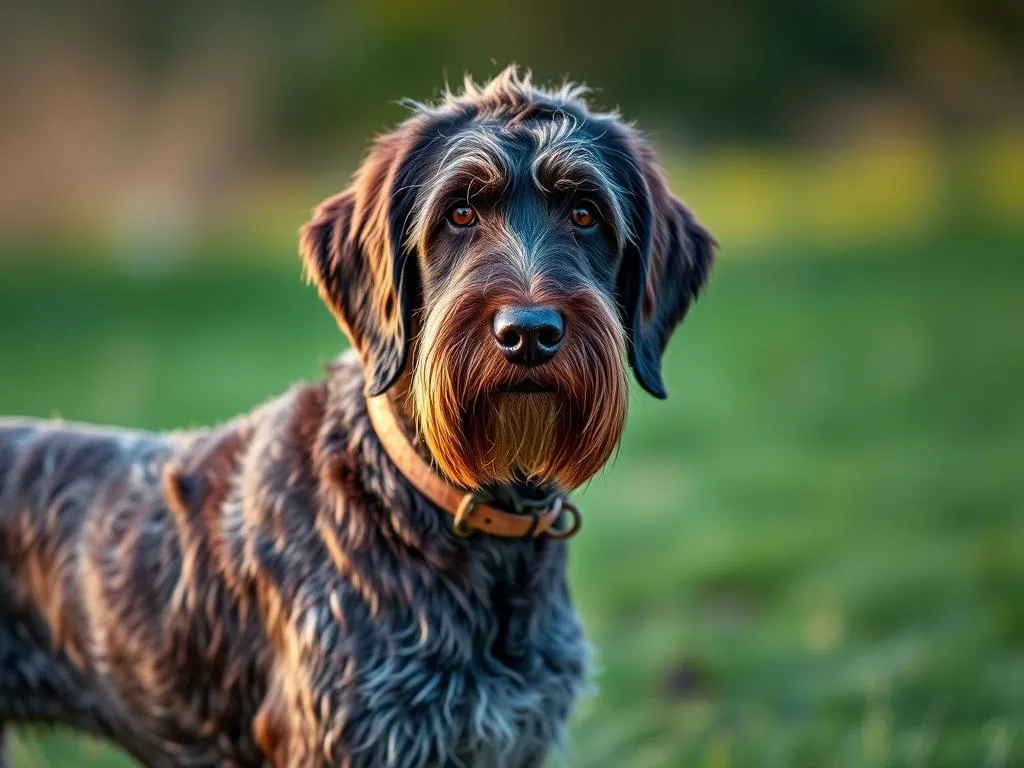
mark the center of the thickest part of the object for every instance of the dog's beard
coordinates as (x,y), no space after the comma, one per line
(481,434)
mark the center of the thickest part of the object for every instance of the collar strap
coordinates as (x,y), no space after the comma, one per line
(470,512)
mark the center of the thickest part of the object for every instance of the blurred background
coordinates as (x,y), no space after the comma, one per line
(811,554)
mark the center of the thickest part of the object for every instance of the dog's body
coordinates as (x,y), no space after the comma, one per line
(276,591)
(149,614)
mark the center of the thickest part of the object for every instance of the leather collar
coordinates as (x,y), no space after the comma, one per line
(469,510)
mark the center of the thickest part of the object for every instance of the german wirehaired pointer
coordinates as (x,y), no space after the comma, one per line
(369,570)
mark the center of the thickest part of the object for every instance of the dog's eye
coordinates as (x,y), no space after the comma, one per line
(462,216)
(583,216)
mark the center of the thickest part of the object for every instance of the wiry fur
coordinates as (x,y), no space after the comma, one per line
(482,439)
(274,591)
(287,547)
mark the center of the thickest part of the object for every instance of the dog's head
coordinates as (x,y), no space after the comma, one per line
(502,253)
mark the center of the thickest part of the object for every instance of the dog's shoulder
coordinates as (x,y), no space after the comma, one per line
(269,445)
(201,470)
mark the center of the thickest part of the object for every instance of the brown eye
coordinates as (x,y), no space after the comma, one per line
(462,216)
(582,216)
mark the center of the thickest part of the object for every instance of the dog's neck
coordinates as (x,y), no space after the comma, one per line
(509,495)
(516,496)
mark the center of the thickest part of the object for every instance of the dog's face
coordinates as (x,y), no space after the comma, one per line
(503,254)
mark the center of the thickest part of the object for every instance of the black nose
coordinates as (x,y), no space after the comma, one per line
(528,335)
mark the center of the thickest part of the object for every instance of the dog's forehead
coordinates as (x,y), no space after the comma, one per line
(556,152)
(512,147)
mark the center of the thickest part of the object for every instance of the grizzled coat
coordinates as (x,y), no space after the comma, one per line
(271,585)
(274,591)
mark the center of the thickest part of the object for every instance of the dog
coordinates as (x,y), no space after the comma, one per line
(370,570)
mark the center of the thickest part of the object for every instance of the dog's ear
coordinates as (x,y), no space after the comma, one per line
(354,252)
(664,268)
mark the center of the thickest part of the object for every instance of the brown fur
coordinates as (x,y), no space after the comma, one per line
(479,436)
(274,591)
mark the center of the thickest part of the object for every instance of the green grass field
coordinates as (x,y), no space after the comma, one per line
(811,555)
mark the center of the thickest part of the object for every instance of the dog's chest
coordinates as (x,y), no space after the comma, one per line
(500,695)
(450,677)
(395,642)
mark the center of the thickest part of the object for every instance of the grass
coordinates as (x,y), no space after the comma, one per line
(810,555)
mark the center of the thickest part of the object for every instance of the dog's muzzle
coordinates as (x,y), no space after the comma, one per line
(528,335)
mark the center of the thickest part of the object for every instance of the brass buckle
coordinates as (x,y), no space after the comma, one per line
(577,521)
(542,512)
(537,510)
(555,505)
(461,525)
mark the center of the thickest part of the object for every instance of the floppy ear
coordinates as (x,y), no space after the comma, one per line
(663,270)
(354,252)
